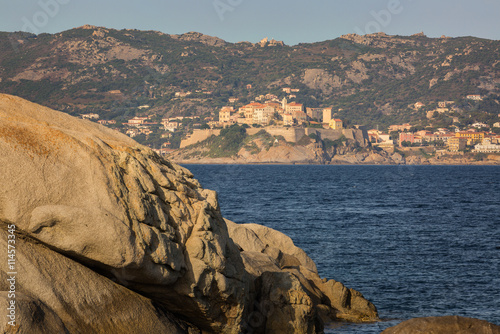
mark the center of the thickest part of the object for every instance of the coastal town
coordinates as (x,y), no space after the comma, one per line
(284,116)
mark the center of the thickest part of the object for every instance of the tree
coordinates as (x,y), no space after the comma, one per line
(406,144)
(394,135)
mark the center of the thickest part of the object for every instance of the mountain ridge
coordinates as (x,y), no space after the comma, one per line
(369,79)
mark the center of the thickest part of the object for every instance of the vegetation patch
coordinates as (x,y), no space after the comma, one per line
(334,143)
(264,138)
(226,145)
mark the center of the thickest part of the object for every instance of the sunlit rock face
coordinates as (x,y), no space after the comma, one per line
(115,225)
(96,196)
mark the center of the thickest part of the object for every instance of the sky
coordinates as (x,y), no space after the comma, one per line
(291,21)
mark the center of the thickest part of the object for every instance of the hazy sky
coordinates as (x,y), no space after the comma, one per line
(292,21)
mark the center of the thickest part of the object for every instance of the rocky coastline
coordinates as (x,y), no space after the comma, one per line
(109,237)
(355,150)
(373,158)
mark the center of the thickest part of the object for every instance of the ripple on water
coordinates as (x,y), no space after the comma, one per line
(415,240)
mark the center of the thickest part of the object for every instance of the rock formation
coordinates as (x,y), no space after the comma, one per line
(111,236)
(199,37)
(269,253)
(266,42)
(444,325)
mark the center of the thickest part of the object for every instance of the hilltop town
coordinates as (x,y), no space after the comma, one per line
(290,122)
(403,95)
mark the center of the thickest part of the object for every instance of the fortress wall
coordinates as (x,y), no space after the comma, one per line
(290,134)
(353,134)
(361,136)
(198,136)
(325,133)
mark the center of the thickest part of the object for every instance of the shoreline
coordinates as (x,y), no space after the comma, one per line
(180,162)
(308,156)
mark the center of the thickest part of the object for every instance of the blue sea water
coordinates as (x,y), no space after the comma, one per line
(417,241)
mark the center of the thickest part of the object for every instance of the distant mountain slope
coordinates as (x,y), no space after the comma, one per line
(372,79)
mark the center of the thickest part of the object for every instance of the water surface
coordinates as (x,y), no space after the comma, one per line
(415,240)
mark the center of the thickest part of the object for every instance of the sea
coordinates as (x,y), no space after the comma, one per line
(417,241)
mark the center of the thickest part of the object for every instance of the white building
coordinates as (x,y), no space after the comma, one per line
(171,126)
(90,116)
(475,97)
(486,147)
(263,114)
(478,125)
(137,120)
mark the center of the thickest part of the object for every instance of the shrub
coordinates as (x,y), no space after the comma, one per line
(479,156)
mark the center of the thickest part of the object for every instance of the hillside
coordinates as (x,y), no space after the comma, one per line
(370,79)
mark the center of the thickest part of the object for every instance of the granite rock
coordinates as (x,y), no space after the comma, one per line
(444,325)
(110,232)
(97,197)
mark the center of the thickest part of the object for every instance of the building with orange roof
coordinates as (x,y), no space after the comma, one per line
(248,109)
(225,114)
(373,135)
(456,144)
(335,124)
(406,137)
(294,106)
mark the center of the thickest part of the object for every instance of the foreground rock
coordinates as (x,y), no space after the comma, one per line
(444,325)
(58,295)
(267,251)
(112,239)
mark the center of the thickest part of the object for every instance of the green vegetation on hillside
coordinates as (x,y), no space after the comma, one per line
(372,80)
(227,144)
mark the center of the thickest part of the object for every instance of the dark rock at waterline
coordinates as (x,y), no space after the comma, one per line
(444,325)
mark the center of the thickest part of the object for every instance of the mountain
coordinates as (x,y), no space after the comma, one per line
(369,79)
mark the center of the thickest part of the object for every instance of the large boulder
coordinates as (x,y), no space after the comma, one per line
(55,294)
(444,325)
(109,233)
(97,197)
(269,253)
